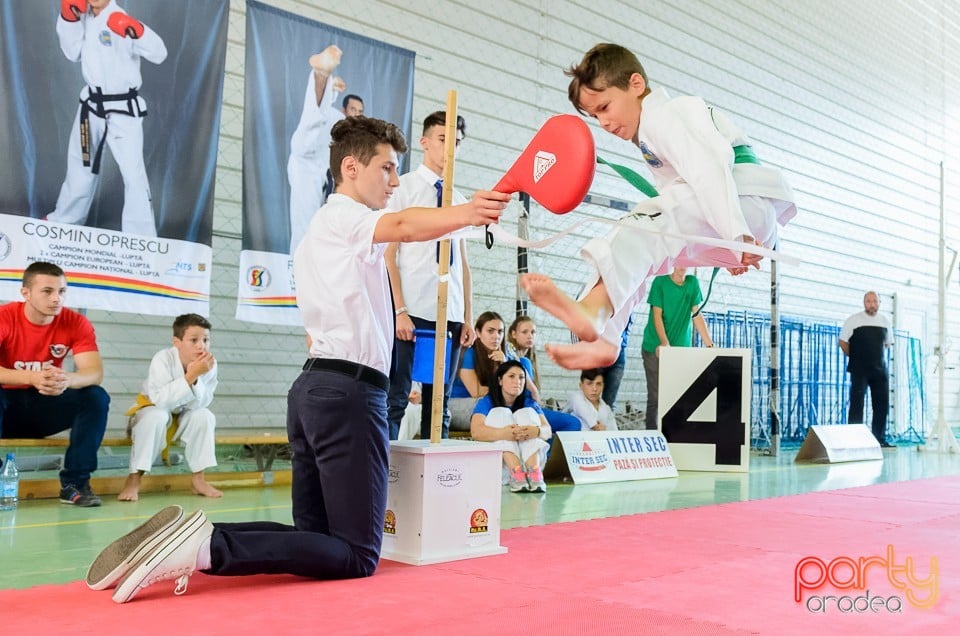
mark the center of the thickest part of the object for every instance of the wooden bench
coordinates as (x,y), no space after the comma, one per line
(264,444)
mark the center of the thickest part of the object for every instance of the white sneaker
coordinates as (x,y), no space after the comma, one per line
(118,558)
(173,558)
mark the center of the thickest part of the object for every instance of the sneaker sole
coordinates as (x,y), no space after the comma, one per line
(94,503)
(119,557)
(129,586)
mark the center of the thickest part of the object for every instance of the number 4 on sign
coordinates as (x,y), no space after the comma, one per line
(724,373)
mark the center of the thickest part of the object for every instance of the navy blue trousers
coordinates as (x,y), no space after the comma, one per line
(26,414)
(400,381)
(337,426)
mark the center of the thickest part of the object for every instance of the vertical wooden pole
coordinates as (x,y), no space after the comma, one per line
(443,271)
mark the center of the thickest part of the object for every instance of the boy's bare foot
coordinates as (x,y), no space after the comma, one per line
(202,487)
(583,355)
(546,295)
(131,488)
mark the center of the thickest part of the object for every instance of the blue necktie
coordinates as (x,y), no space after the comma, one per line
(439,186)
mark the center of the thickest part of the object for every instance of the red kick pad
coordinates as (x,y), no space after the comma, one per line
(557,167)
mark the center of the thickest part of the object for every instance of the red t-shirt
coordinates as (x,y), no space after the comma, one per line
(26,346)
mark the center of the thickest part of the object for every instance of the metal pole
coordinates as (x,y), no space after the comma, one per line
(946,441)
(774,361)
(523,232)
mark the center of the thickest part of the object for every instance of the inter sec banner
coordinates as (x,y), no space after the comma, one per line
(288,114)
(591,457)
(109,121)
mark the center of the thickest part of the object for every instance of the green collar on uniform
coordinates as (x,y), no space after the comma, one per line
(741,154)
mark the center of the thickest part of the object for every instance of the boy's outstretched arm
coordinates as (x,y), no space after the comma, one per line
(425,224)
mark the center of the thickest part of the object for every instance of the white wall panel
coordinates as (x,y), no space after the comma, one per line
(857,101)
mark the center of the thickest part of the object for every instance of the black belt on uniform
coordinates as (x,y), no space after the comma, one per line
(352,369)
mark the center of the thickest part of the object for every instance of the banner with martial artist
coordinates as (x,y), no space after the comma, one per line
(301,78)
(109,121)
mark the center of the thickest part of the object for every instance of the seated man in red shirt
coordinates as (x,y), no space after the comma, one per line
(37,397)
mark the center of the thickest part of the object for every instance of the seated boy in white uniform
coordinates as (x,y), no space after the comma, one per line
(178,390)
(587,404)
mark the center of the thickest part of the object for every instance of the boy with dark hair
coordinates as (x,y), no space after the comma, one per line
(177,393)
(710,184)
(337,408)
(37,397)
(414,276)
(587,403)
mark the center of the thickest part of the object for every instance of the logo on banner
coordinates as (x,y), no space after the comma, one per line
(59,350)
(389,522)
(479,520)
(5,246)
(542,162)
(847,573)
(449,477)
(393,474)
(588,459)
(258,277)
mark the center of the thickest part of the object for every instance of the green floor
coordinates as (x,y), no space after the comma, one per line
(48,542)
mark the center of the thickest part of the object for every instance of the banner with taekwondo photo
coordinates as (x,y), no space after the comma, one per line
(294,91)
(109,125)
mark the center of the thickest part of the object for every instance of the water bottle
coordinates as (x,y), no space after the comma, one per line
(9,484)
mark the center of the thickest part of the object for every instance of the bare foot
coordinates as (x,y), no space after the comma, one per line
(583,355)
(546,295)
(131,488)
(202,487)
(327,59)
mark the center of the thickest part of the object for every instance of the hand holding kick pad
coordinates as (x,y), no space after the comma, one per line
(556,168)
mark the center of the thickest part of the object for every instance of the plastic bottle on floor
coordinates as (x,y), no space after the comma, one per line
(9,484)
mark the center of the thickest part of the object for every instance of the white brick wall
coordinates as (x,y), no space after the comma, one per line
(855,100)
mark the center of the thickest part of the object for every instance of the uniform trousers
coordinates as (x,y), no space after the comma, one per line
(124,138)
(195,430)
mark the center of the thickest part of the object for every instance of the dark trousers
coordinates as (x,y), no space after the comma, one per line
(612,376)
(337,427)
(651,368)
(26,414)
(401,380)
(879,399)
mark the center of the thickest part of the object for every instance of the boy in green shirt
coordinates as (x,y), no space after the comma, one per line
(673,299)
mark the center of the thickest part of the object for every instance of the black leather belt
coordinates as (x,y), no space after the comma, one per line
(352,369)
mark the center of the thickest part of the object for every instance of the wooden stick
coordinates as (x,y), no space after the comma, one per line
(443,270)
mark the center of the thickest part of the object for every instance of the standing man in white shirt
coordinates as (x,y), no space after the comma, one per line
(864,340)
(337,408)
(414,278)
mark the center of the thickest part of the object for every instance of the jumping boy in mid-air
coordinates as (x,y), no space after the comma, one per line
(711,185)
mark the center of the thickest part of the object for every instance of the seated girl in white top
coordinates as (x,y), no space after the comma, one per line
(509,418)
(587,405)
